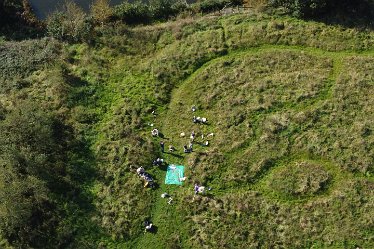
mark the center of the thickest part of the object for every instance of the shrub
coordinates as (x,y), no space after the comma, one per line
(163,9)
(302,8)
(101,11)
(55,25)
(24,207)
(19,59)
(132,13)
(8,10)
(28,159)
(211,5)
(316,8)
(207,6)
(71,24)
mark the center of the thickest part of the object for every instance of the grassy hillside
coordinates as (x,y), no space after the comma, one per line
(290,164)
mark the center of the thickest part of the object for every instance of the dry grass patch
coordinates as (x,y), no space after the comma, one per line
(299,179)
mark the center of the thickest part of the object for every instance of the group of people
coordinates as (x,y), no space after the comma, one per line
(159,162)
(199,189)
(148,179)
(155,133)
(187,148)
(199,120)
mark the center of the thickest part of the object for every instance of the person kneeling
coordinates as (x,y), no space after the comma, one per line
(185,149)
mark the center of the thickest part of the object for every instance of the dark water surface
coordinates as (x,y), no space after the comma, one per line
(43,8)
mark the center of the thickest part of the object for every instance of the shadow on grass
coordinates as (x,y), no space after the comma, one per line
(79,209)
(154,185)
(74,203)
(202,144)
(346,21)
(73,80)
(163,167)
(83,173)
(209,195)
(161,135)
(350,14)
(19,31)
(154,230)
(174,155)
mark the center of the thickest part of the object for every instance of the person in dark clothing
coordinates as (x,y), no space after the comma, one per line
(185,149)
(148,226)
(196,188)
(192,137)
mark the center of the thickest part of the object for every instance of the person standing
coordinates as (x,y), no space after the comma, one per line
(192,137)
(190,147)
(196,188)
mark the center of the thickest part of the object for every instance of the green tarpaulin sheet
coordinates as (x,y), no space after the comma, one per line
(174,174)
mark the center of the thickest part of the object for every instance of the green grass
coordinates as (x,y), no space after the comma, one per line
(290,105)
(266,100)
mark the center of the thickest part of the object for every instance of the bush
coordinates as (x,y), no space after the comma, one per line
(71,24)
(24,208)
(20,59)
(302,8)
(9,9)
(132,13)
(207,6)
(101,11)
(164,9)
(55,25)
(27,174)
(316,8)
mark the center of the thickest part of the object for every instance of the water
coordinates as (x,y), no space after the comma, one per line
(43,8)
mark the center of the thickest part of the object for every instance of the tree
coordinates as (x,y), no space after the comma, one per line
(317,8)
(22,207)
(101,11)
(70,24)
(161,9)
(133,13)
(27,173)
(8,10)
(55,25)
(1,10)
(302,8)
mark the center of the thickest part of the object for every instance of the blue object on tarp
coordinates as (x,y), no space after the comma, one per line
(174,174)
